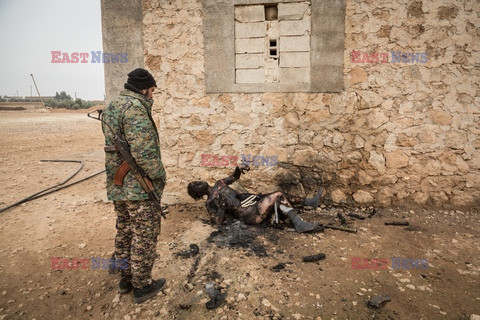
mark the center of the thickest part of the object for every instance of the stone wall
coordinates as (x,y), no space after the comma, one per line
(399,134)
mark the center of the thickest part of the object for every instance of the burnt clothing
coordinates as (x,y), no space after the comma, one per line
(224,200)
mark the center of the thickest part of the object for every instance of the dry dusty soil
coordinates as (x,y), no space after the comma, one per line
(78,222)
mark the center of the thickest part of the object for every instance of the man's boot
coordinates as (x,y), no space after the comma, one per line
(145,293)
(313,202)
(300,225)
(125,286)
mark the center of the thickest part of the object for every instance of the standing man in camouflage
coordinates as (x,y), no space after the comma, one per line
(138,222)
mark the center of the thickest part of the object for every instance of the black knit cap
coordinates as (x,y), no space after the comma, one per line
(141,79)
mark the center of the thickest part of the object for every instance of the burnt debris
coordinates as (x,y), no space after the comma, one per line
(315,257)
(356,216)
(278,267)
(194,249)
(239,235)
(215,294)
(397,223)
(343,221)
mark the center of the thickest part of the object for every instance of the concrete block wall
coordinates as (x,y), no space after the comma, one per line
(295,26)
(292,11)
(290,35)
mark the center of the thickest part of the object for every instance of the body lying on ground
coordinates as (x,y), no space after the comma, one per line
(250,208)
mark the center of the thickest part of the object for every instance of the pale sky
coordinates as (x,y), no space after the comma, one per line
(31,29)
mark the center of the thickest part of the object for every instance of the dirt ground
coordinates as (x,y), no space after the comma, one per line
(78,222)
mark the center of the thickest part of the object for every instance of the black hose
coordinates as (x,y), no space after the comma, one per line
(55,187)
(68,185)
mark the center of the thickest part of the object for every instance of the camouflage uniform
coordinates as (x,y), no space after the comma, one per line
(138,226)
(130,116)
(138,222)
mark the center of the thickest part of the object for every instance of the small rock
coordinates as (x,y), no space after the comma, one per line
(127,317)
(297,316)
(454,241)
(138,310)
(378,300)
(474,317)
(189,286)
(266,303)
(410,286)
(82,245)
(241,297)
(89,308)
(404,280)
(4,293)
(116,299)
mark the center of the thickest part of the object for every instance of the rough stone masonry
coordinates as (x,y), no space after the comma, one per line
(397,134)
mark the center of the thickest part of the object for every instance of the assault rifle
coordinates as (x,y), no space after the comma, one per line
(129,164)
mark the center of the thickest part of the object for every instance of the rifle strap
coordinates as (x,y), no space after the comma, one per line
(121,173)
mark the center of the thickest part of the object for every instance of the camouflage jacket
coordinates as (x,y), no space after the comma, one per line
(129,115)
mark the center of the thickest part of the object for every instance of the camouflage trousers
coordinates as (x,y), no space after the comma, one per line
(138,227)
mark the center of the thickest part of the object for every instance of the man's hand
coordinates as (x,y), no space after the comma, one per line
(244,169)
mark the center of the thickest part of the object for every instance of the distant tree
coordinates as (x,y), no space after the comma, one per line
(68,104)
(62,96)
